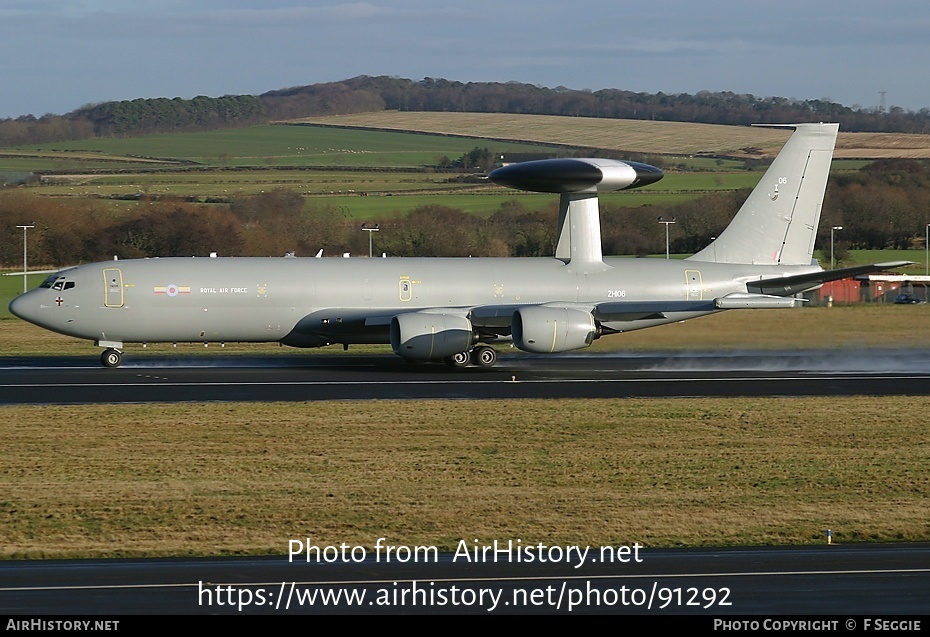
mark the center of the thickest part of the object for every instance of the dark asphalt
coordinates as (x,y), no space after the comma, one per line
(323,377)
(852,581)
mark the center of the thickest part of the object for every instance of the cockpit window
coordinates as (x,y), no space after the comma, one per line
(47,283)
(57,284)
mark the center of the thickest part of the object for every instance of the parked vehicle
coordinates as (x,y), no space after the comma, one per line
(908,299)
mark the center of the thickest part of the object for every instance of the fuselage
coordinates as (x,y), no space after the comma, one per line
(309,302)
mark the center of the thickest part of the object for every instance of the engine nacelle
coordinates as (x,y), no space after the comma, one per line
(424,336)
(545,330)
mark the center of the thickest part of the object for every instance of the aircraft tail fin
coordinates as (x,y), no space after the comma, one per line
(777,224)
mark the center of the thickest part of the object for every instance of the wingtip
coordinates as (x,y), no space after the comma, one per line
(888,265)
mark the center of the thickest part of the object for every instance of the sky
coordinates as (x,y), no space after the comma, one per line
(58,55)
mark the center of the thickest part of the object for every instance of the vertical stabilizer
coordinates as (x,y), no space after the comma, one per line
(777,224)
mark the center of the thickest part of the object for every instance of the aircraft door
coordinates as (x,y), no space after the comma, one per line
(405,289)
(695,287)
(113,286)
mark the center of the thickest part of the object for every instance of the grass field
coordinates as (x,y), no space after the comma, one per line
(229,183)
(346,166)
(323,163)
(283,146)
(637,136)
(376,197)
(236,479)
(483,203)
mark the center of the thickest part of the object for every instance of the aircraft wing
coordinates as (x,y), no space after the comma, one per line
(787,285)
(491,321)
(498,318)
(645,310)
(494,318)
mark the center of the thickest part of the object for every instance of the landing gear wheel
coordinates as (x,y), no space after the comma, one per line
(111,357)
(484,356)
(458,360)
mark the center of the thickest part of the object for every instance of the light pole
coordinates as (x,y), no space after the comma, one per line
(927,248)
(25,268)
(365,227)
(667,224)
(832,231)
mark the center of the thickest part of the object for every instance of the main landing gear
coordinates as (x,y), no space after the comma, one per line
(111,357)
(481,356)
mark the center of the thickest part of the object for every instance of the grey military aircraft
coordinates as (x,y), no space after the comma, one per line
(452,310)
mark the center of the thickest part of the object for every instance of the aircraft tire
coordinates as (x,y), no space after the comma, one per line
(484,356)
(458,361)
(111,357)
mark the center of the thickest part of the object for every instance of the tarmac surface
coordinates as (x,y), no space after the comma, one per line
(186,378)
(844,582)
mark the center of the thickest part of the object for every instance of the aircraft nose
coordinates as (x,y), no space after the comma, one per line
(20,307)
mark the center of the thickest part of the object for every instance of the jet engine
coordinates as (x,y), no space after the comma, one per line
(424,336)
(552,329)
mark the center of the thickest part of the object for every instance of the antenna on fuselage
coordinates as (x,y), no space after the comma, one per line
(577,182)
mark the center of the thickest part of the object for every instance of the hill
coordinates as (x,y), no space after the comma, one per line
(629,136)
(372,94)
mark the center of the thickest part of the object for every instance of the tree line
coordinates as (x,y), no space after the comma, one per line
(367,94)
(884,205)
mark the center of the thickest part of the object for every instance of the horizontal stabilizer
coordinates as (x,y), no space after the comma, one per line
(797,283)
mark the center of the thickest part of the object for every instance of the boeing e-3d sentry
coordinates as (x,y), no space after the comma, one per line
(432,309)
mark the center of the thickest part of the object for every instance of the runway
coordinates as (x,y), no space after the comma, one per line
(823,582)
(855,581)
(289,377)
